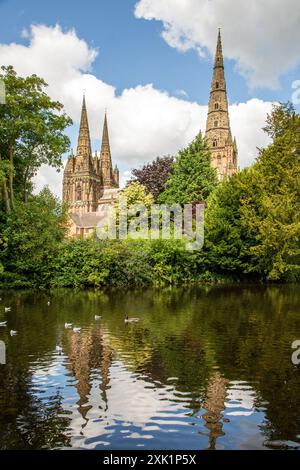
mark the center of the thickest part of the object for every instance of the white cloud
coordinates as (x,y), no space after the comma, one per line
(144,122)
(262,36)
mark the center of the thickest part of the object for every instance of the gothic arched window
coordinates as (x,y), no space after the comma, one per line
(215,143)
(216,124)
(219,159)
(217,84)
(216,105)
(78,193)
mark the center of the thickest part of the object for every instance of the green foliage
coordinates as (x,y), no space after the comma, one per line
(94,263)
(253,220)
(192,177)
(30,238)
(31,132)
(252,226)
(136,193)
(272,210)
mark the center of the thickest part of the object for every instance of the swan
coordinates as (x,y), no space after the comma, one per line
(13,333)
(97,317)
(3,323)
(131,320)
(68,325)
(76,330)
(7,309)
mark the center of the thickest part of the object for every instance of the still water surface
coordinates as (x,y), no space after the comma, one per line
(205,368)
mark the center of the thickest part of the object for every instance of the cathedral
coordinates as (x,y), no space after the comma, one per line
(223,147)
(89,181)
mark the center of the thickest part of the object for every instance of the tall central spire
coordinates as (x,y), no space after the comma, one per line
(218,132)
(84,148)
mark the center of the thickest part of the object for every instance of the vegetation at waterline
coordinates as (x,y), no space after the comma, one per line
(252,221)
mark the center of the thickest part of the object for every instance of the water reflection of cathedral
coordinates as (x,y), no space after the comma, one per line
(97,365)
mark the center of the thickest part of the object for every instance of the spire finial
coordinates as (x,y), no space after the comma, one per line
(105,137)
(219,53)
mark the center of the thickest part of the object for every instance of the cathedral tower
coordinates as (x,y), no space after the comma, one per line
(86,177)
(218,133)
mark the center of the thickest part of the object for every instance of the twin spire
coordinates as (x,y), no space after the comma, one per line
(84,147)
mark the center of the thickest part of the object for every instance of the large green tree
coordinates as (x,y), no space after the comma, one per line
(31,133)
(272,209)
(253,220)
(192,177)
(30,240)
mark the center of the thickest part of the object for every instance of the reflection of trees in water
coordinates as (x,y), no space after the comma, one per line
(244,333)
(27,421)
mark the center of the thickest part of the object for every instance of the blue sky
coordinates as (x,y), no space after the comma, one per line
(159,44)
(131,50)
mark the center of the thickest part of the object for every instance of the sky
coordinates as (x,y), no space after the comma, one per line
(149,62)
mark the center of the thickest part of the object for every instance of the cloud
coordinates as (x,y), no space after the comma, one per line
(268,32)
(144,122)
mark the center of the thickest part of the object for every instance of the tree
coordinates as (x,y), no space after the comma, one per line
(136,193)
(192,177)
(272,209)
(31,235)
(153,176)
(253,220)
(31,133)
(227,241)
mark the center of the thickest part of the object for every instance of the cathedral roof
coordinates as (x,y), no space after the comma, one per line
(87,220)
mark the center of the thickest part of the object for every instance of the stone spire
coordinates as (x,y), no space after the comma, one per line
(84,148)
(105,148)
(218,132)
(105,157)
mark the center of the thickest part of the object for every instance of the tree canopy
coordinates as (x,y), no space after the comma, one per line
(253,220)
(154,176)
(192,177)
(32,128)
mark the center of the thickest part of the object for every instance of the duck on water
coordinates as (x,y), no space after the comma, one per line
(131,320)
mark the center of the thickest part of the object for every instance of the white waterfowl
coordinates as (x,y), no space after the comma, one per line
(3,323)
(13,333)
(7,309)
(59,349)
(49,303)
(131,320)
(76,330)
(97,317)
(68,325)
